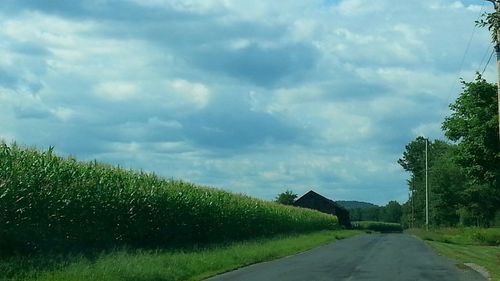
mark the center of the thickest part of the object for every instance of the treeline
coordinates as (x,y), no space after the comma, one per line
(392,212)
(463,171)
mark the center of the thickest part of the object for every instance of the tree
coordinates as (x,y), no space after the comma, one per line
(356,214)
(492,21)
(371,214)
(392,212)
(406,217)
(413,161)
(448,183)
(464,177)
(473,125)
(286,198)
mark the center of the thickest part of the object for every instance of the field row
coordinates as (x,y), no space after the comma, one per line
(49,202)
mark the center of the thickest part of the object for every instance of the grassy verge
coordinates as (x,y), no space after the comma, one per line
(461,236)
(485,256)
(466,245)
(194,264)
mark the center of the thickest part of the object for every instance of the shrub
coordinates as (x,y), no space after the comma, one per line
(488,237)
(378,226)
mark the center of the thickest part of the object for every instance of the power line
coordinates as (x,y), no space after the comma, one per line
(492,52)
(485,55)
(470,41)
(470,38)
(452,88)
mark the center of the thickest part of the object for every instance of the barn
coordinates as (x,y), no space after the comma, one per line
(315,201)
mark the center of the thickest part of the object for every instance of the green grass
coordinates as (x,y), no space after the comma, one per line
(485,256)
(461,236)
(466,245)
(377,226)
(194,264)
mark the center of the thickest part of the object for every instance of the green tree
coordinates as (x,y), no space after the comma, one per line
(448,183)
(413,161)
(356,214)
(286,198)
(392,212)
(473,125)
(406,217)
(371,214)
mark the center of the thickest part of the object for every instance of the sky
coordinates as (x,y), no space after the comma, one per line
(253,97)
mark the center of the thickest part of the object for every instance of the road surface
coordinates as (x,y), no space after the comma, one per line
(385,257)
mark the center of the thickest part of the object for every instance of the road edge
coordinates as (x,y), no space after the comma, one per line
(479,269)
(337,238)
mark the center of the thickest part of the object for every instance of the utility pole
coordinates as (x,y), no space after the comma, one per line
(426,186)
(412,210)
(495,28)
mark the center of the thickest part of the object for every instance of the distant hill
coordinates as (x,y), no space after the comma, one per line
(355,204)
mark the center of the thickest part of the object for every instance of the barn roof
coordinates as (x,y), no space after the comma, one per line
(311,193)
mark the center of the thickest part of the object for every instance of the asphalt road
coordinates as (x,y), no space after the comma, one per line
(368,257)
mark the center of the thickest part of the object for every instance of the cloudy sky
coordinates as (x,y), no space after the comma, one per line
(254,97)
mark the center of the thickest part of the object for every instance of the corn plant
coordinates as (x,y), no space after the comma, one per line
(52,203)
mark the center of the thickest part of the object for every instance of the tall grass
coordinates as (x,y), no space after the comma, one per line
(163,264)
(461,236)
(52,203)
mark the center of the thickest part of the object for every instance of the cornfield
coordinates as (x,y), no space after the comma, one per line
(52,203)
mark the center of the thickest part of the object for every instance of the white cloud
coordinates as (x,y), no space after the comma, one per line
(187,93)
(116,90)
(171,147)
(289,99)
(46,30)
(64,114)
(345,124)
(126,147)
(387,105)
(406,81)
(6,119)
(132,79)
(155,121)
(304,30)
(359,7)
(187,6)
(457,5)
(239,43)
(427,130)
